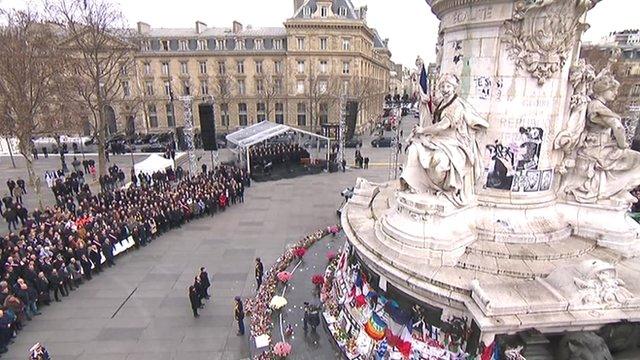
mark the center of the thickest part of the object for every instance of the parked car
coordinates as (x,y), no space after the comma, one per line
(383,141)
(354,142)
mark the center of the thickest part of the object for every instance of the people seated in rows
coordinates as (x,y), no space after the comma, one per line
(276,154)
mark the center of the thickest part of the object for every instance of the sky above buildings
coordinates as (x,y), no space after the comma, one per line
(409,24)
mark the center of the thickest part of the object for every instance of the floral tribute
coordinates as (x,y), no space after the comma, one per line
(282,349)
(258,307)
(284,276)
(317,279)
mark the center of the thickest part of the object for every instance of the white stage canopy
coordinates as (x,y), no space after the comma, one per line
(243,139)
(152,164)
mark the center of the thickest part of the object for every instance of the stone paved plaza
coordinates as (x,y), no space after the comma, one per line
(139,309)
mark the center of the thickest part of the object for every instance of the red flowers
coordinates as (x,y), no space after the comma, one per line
(284,276)
(317,279)
(331,255)
(299,252)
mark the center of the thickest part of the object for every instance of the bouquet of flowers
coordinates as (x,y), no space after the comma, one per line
(331,255)
(282,349)
(317,279)
(284,276)
(299,252)
(278,302)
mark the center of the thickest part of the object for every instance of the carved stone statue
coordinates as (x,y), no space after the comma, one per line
(444,157)
(606,170)
(600,284)
(582,345)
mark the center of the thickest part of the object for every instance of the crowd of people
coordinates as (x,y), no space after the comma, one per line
(267,156)
(61,247)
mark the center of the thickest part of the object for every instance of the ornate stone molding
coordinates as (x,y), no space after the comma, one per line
(541,32)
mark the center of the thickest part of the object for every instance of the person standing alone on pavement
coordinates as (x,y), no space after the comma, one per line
(259,273)
(239,315)
(194,299)
(366,162)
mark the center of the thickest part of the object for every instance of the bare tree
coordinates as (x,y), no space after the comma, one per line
(323,91)
(270,92)
(99,54)
(223,92)
(32,84)
(366,92)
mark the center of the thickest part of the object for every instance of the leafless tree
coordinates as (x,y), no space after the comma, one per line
(95,34)
(323,90)
(270,92)
(367,93)
(32,84)
(223,92)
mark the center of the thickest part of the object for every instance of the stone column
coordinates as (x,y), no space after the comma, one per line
(513,59)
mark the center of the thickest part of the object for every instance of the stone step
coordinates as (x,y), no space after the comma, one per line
(572,247)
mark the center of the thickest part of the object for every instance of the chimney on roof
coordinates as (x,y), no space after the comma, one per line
(297,4)
(237,27)
(200,27)
(143,28)
(363,12)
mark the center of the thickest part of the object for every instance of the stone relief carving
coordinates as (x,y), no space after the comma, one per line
(444,157)
(604,169)
(541,33)
(600,284)
(514,353)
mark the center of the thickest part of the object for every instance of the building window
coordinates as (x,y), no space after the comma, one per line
(149,88)
(277,86)
(345,87)
(302,114)
(171,119)
(164,44)
(242,114)
(204,88)
(203,67)
(165,68)
(126,89)
(306,11)
(343,11)
(301,66)
(346,44)
(323,43)
(241,89)
(202,44)
(222,69)
(221,44)
(279,113)
(324,11)
(261,112)
(124,71)
(167,88)
(635,90)
(224,118)
(259,44)
(146,45)
(258,67)
(240,44)
(240,66)
(277,44)
(323,66)
(278,66)
(184,68)
(345,68)
(300,43)
(184,45)
(186,89)
(147,68)
(153,116)
(322,86)
(300,87)
(259,86)
(324,113)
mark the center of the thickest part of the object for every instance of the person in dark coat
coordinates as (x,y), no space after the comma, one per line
(86,266)
(239,315)
(194,299)
(204,280)
(199,290)
(42,286)
(259,272)
(95,257)
(55,284)
(107,250)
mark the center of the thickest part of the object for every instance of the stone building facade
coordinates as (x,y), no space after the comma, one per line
(294,74)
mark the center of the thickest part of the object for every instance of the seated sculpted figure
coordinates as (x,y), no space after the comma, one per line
(444,156)
(605,169)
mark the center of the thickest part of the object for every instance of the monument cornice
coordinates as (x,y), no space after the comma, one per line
(440,6)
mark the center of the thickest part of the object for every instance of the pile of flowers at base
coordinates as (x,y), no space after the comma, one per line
(299,251)
(258,307)
(317,280)
(277,303)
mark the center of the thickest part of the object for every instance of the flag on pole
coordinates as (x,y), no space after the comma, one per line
(425,87)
